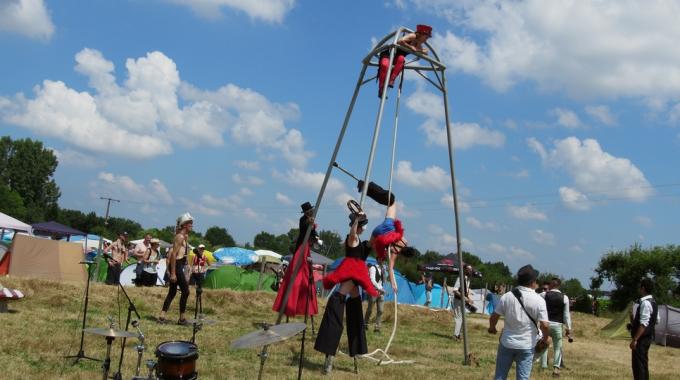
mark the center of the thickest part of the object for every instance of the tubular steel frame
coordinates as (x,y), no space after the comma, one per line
(439,82)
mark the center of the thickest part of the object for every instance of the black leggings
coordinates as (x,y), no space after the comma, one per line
(183,288)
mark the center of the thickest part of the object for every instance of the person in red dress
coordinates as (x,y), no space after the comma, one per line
(297,303)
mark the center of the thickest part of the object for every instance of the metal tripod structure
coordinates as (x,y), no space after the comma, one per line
(430,64)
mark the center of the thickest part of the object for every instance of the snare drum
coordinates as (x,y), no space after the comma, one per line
(176,360)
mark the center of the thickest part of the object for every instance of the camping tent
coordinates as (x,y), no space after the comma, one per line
(235,256)
(48,259)
(437,293)
(667,331)
(232,277)
(90,242)
(53,228)
(9,223)
(163,244)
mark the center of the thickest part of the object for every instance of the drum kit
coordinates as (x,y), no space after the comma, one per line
(175,360)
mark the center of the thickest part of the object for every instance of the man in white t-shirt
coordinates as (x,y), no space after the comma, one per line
(520,334)
(139,252)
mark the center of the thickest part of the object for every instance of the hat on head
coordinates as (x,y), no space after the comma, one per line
(526,275)
(122,233)
(424,29)
(201,246)
(306,207)
(155,241)
(184,218)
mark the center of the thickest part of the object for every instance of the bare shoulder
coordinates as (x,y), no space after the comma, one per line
(179,239)
(408,38)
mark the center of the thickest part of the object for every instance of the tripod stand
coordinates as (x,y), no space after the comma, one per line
(81,353)
(131,308)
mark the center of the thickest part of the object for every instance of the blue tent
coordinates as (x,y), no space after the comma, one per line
(405,295)
(437,293)
(236,256)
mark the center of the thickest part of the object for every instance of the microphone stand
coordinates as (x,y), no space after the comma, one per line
(131,308)
(81,352)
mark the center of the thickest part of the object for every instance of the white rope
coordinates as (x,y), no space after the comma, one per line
(386,359)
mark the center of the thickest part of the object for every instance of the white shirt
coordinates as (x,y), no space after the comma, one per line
(519,331)
(646,312)
(140,249)
(374,270)
(567,314)
(456,286)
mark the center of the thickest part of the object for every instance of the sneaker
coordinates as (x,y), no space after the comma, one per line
(162,320)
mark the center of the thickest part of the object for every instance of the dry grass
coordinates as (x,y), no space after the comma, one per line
(45,327)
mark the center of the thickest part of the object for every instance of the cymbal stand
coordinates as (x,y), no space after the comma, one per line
(107,360)
(198,311)
(263,355)
(81,352)
(131,309)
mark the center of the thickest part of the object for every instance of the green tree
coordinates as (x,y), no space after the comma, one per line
(626,268)
(219,237)
(332,244)
(26,168)
(278,244)
(11,202)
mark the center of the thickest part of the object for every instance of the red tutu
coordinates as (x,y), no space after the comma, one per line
(297,300)
(351,268)
(382,241)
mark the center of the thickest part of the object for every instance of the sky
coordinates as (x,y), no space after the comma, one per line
(565,117)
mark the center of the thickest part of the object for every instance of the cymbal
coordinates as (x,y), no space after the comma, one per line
(201,321)
(273,334)
(111,333)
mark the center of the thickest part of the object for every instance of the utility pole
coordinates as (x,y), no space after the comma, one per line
(101,238)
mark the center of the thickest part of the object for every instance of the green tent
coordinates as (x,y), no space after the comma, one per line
(617,327)
(233,277)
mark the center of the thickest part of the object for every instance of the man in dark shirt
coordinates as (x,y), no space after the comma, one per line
(643,319)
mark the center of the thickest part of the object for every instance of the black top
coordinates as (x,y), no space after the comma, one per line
(649,330)
(304,223)
(554,301)
(361,251)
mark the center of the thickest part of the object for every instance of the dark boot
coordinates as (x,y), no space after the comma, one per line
(377,193)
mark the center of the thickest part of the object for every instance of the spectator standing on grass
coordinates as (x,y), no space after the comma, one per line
(558,315)
(117,255)
(520,333)
(459,299)
(643,318)
(426,278)
(376,273)
(138,253)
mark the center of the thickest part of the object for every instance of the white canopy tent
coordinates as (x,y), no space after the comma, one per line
(9,223)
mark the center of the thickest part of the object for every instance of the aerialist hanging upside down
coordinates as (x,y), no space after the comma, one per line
(413,41)
(353,273)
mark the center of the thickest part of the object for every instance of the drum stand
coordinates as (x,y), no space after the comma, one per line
(131,308)
(81,352)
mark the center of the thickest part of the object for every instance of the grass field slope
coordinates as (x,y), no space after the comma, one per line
(45,326)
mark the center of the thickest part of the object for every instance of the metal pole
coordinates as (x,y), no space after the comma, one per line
(449,135)
(101,238)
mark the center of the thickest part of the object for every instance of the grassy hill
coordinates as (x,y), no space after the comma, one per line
(45,327)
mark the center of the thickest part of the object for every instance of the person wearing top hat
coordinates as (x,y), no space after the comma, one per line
(411,41)
(302,297)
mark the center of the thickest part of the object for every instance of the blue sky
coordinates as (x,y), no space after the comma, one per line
(565,116)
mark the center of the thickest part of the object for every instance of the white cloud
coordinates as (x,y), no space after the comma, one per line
(248,165)
(283,199)
(567,118)
(644,221)
(27,17)
(520,253)
(447,200)
(496,248)
(444,242)
(246,192)
(247,180)
(574,199)
(527,212)
(312,181)
(432,178)
(611,48)
(153,110)
(543,237)
(266,10)
(601,114)
(594,170)
(70,157)
(576,248)
(465,135)
(476,223)
(124,187)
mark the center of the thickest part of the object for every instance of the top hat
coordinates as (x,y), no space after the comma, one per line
(306,207)
(424,29)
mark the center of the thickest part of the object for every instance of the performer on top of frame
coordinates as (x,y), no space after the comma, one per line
(412,41)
